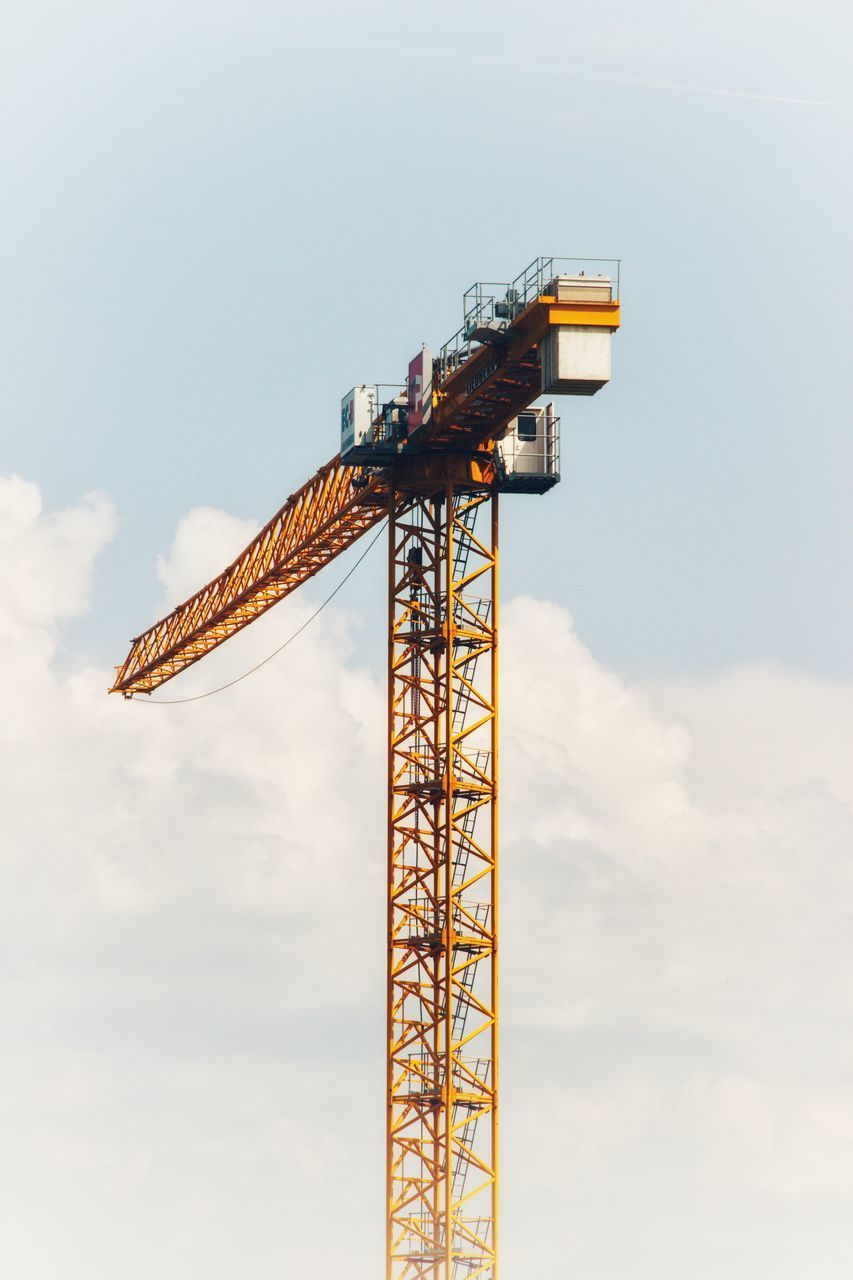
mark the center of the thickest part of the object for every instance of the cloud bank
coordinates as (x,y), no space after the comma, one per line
(192,950)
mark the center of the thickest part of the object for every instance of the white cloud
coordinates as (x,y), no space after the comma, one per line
(206,540)
(192,955)
(678,953)
(47,562)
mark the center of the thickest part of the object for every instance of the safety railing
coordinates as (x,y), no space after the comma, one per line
(469,1236)
(489,306)
(530,447)
(425,917)
(424,763)
(391,413)
(424,1076)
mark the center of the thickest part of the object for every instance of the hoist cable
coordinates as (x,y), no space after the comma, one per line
(173,702)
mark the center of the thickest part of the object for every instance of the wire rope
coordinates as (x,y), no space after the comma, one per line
(174,702)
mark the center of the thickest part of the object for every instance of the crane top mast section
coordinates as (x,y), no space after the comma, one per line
(546,332)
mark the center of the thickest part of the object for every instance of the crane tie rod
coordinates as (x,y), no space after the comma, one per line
(174,702)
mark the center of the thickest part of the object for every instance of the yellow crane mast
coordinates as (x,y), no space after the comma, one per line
(431,457)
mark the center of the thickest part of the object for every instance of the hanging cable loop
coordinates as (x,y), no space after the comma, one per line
(174,702)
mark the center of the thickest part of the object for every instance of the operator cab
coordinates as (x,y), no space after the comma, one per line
(527,455)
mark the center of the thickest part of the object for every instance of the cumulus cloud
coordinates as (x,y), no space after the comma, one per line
(192,938)
(678,958)
(47,562)
(206,540)
(179,887)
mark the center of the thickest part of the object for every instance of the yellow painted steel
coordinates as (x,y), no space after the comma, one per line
(603,314)
(335,507)
(441,1178)
(314,526)
(442,926)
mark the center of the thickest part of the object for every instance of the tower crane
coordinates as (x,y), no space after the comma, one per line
(431,457)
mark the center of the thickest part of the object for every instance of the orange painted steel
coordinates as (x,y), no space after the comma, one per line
(477,399)
(337,505)
(314,526)
(438,491)
(441,1141)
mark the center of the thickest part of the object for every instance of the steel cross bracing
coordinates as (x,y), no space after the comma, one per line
(438,490)
(442,1176)
(317,523)
(477,392)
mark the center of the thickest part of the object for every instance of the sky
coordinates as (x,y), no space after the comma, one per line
(215,220)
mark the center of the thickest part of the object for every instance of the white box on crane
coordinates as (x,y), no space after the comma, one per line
(358,410)
(581,289)
(575,358)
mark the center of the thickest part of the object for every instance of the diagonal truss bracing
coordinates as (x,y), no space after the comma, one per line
(316,524)
(442,904)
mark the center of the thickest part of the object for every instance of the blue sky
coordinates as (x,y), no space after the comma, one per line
(215,223)
(215,220)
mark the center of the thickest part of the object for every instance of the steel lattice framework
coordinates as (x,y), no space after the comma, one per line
(442,883)
(314,526)
(437,483)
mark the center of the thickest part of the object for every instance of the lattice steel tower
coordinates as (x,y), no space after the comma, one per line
(431,457)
